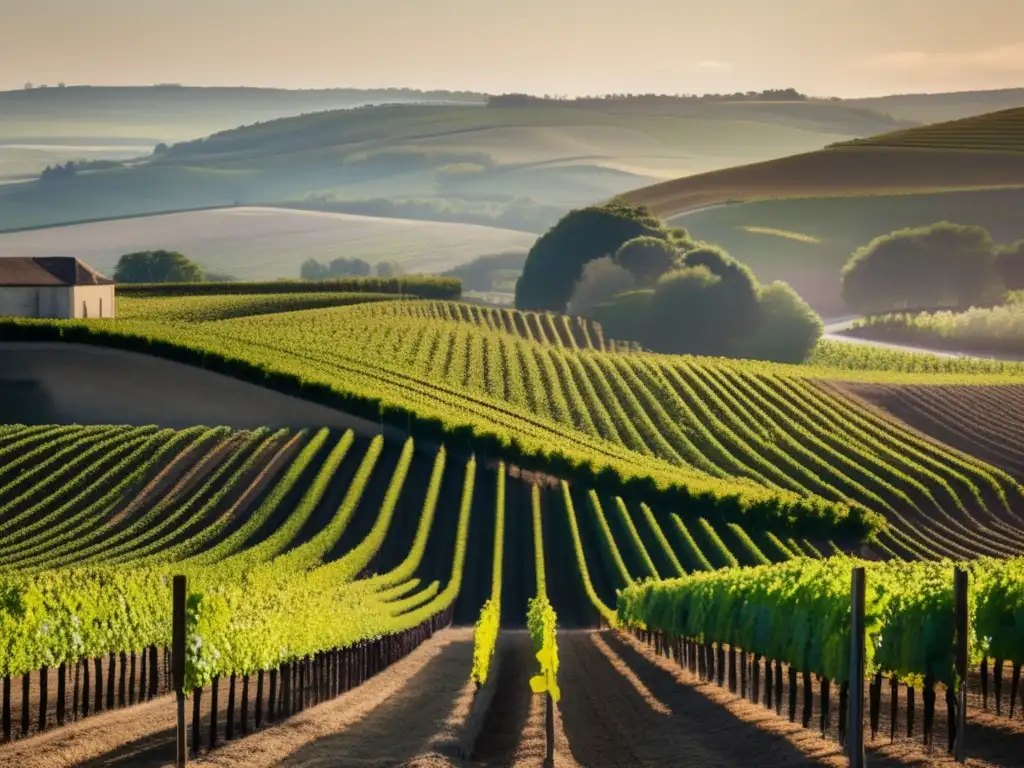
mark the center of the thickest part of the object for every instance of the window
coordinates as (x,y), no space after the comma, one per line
(85,310)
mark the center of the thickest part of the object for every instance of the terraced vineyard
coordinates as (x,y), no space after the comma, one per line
(388,535)
(540,474)
(1001,131)
(762,439)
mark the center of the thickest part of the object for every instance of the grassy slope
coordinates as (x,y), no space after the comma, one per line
(938,107)
(989,153)
(841,225)
(265,243)
(554,154)
(845,195)
(172,114)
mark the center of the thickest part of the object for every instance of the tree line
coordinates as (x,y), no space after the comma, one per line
(940,266)
(348,267)
(642,99)
(643,281)
(163,266)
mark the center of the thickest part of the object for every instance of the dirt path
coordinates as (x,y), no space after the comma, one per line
(620,708)
(410,712)
(408,715)
(513,732)
(993,741)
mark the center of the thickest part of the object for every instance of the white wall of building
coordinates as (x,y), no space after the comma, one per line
(60,302)
(92,301)
(35,302)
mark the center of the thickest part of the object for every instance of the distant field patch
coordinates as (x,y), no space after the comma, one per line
(269,243)
(798,236)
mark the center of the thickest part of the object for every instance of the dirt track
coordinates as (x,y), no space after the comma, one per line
(410,712)
(79,384)
(623,709)
(622,706)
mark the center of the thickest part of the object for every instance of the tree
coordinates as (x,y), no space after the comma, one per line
(738,309)
(625,316)
(684,314)
(389,269)
(157,267)
(346,267)
(555,262)
(647,258)
(941,265)
(1010,265)
(312,269)
(601,281)
(788,329)
(218,277)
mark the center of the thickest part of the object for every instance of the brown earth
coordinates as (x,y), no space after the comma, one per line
(622,707)
(984,421)
(840,172)
(992,742)
(80,384)
(411,711)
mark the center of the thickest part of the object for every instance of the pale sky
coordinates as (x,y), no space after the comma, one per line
(822,47)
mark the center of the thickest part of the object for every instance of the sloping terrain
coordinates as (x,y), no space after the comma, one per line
(913,160)
(798,218)
(824,231)
(267,243)
(323,566)
(556,153)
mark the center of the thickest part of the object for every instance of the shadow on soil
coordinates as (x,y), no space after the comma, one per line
(395,730)
(420,706)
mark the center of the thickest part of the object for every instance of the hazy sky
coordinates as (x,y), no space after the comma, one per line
(824,47)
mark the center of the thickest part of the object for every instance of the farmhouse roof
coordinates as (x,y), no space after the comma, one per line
(48,271)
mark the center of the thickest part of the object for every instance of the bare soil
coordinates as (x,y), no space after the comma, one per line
(992,742)
(622,707)
(412,711)
(80,384)
(408,714)
(837,173)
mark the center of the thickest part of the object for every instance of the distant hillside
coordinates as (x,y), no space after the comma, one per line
(1001,131)
(939,107)
(989,153)
(269,243)
(173,113)
(806,241)
(798,218)
(552,154)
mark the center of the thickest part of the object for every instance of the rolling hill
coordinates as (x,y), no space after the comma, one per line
(798,218)
(981,152)
(555,153)
(412,465)
(269,243)
(940,107)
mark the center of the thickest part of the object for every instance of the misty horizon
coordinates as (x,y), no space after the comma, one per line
(828,48)
(35,86)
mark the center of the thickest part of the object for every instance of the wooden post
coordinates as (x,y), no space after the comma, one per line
(7,709)
(197,738)
(62,693)
(961,628)
(855,712)
(178,662)
(549,730)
